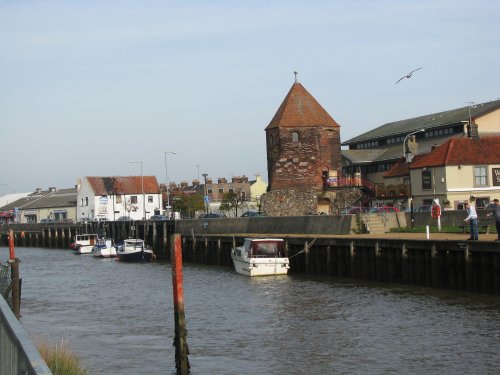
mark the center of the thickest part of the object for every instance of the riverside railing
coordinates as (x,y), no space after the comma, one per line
(18,354)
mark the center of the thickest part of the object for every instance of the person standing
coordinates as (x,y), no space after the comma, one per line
(436,212)
(472,219)
(496,212)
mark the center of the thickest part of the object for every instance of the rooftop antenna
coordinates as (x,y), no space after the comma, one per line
(296,81)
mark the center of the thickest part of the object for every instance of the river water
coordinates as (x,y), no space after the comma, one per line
(118,318)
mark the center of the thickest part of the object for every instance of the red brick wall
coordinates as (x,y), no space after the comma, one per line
(300,165)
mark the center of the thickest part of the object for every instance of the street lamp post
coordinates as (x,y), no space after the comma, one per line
(166,178)
(408,155)
(205,197)
(142,188)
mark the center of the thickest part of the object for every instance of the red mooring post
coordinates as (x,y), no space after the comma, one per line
(12,254)
(180,342)
(14,277)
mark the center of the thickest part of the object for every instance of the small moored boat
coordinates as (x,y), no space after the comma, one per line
(84,243)
(104,248)
(261,257)
(134,250)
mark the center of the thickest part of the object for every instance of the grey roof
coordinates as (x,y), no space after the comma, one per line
(403,127)
(393,152)
(45,199)
(363,156)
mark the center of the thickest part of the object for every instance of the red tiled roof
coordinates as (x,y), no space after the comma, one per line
(462,151)
(401,168)
(300,109)
(398,169)
(123,185)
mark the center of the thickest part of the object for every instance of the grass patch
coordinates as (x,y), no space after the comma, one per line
(60,359)
(433,229)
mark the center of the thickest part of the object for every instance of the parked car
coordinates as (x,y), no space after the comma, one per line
(354,210)
(253,214)
(47,221)
(211,216)
(158,218)
(124,218)
(424,208)
(384,209)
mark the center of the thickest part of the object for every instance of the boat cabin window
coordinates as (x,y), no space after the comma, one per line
(269,249)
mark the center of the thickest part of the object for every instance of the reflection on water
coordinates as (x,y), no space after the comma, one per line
(118,318)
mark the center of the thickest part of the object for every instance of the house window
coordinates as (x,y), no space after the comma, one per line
(480,176)
(103,200)
(133,199)
(221,190)
(209,191)
(118,199)
(295,137)
(81,204)
(86,201)
(150,199)
(426,180)
(482,202)
(231,190)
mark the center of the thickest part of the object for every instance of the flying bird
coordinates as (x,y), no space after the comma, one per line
(408,75)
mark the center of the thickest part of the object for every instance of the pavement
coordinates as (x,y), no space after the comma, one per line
(440,236)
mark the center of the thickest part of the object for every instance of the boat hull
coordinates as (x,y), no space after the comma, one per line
(261,266)
(85,249)
(106,252)
(135,256)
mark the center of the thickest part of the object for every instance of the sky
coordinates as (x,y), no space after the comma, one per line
(88,86)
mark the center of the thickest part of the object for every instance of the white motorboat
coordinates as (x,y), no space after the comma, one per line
(84,243)
(134,250)
(104,248)
(261,257)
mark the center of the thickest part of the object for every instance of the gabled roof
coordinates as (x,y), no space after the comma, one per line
(462,151)
(401,127)
(300,109)
(45,199)
(123,185)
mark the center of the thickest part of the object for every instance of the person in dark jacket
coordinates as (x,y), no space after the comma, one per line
(495,211)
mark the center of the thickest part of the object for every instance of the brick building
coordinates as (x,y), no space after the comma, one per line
(304,159)
(303,144)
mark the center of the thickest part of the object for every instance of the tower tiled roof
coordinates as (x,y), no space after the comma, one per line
(123,185)
(462,151)
(300,109)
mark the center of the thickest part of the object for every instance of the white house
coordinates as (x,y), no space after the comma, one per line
(109,198)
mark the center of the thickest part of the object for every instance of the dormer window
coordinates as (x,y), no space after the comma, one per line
(295,137)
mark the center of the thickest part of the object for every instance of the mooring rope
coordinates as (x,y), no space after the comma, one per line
(305,249)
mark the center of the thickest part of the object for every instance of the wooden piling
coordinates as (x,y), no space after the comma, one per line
(14,277)
(180,342)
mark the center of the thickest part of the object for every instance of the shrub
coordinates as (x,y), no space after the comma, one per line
(60,359)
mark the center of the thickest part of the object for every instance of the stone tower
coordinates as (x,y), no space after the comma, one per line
(303,144)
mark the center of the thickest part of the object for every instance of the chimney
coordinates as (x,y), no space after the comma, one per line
(184,184)
(196,183)
(222,180)
(474,130)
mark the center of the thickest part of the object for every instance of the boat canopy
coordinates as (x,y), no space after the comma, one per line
(265,249)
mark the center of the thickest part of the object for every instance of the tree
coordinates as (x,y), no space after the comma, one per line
(232,201)
(188,204)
